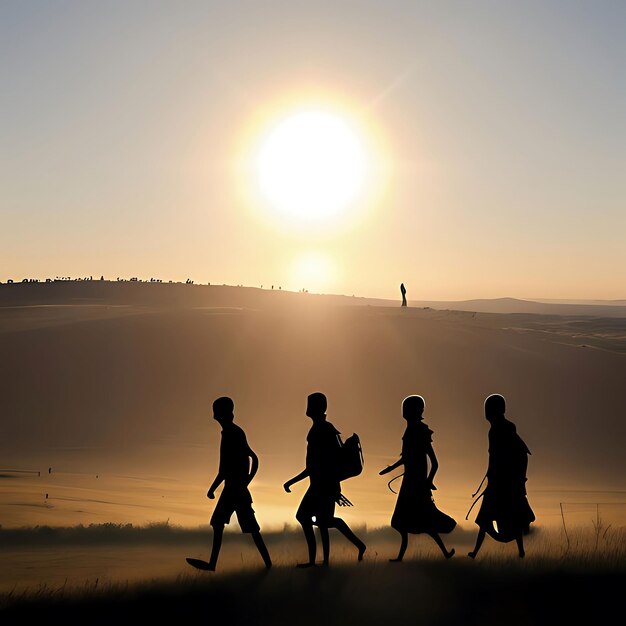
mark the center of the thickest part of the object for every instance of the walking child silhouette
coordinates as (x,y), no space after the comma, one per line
(415,510)
(504,512)
(236,474)
(318,504)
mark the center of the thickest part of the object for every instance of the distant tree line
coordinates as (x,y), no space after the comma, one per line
(119,279)
(80,279)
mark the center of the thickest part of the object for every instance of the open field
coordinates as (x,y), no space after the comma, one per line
(109,386)
(554,584)
(106,394)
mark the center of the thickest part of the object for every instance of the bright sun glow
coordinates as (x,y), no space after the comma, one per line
(312,165)
(313,271)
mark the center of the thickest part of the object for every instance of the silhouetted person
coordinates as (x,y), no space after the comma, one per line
(403,292)
(236,473)
(415,510)
(318,504)
(504,512)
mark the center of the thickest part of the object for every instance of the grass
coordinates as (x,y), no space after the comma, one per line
(553,585)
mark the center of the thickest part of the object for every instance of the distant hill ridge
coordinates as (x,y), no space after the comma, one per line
(611,308)
(97,292)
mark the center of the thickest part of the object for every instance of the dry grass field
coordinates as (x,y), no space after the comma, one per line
(554,584)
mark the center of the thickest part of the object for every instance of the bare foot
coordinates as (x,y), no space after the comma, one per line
(200,564)
(522,554)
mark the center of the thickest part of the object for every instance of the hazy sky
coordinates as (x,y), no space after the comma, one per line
(495,133)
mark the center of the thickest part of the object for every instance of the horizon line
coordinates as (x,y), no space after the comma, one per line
(191,282)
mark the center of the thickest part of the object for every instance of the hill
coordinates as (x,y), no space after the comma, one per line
(190,295)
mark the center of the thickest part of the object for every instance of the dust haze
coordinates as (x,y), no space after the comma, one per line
(106,390)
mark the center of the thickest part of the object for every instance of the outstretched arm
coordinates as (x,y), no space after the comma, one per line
(434,465)
(296,479)
(390,468)
(216,483)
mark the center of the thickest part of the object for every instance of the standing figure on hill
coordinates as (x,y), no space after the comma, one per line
(322,469)
(403,292)
(504,512)
(415,510)
(236,473)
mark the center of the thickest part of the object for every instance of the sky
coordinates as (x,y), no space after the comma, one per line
(491,138)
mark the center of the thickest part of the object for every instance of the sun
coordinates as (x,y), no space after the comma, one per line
(312,165)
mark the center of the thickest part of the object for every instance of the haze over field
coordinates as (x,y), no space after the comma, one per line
(111,384)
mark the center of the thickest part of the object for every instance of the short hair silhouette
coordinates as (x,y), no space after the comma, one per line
(495,405)
(316,404)
(412,405)
(223,407)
